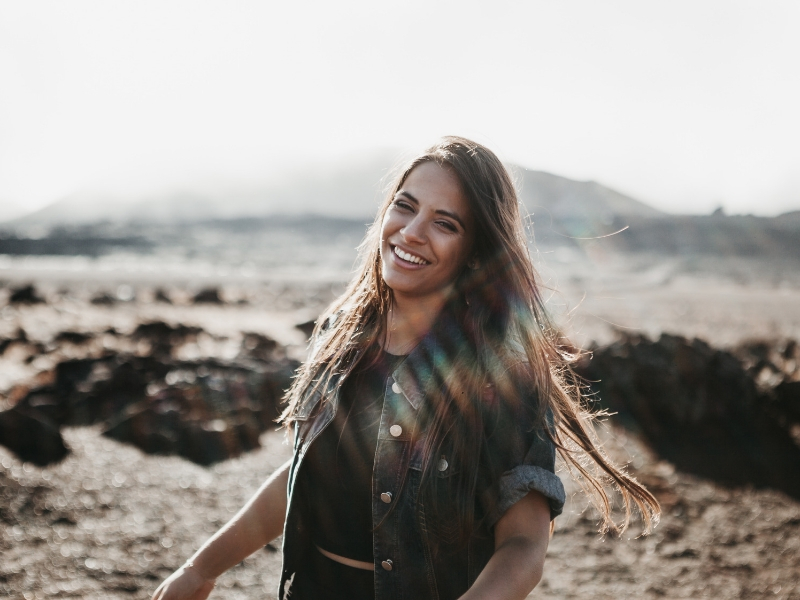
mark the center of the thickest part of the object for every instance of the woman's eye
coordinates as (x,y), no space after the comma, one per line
(448,226)
(402,204)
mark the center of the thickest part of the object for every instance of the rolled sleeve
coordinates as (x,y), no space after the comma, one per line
(521,456)
(520,480)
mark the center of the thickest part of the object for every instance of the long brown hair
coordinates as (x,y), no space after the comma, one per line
(506,343)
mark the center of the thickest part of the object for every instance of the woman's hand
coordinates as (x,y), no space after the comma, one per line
(184,584)
(259,522)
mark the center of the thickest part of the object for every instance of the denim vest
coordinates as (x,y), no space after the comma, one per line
(415,556)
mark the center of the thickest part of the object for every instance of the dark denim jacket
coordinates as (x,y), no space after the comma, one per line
(416,557)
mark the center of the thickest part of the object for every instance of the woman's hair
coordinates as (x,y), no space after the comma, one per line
(507,343)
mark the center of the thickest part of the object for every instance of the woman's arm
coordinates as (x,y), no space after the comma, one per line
(520,540)
(254,526)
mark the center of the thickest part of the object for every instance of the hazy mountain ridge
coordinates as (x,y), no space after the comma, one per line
(352,190)
(569,199)
(319,211)
(736,235)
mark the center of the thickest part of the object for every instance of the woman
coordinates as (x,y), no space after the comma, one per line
(428,415)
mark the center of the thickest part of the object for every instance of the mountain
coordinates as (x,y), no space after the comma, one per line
(347,189)
(350,189)
(720,235)
(566,198)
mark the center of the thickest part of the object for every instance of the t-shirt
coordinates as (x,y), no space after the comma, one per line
(335,479)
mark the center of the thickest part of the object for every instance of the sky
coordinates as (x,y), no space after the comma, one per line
(685,105)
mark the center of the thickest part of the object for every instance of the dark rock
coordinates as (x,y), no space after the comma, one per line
(55,400)
(775,367)
(163,337)
(158,429)
(104,299)
(698,407)
(31,436)
(258,346)
(114,385)
(162,330)
(142,426)
(88,391)
(271,390)
(71,373)
(307,328)
(791,351)
(73,337)
(780,357)
(208,296)
(787,400)
(206,410)
(206,443)
(45,402)
(161,296)
(25,295)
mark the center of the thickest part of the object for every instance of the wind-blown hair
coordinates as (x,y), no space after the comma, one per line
(507,343)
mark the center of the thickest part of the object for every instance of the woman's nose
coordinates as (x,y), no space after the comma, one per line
(414,231)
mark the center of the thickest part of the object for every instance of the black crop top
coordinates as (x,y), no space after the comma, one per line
(335,480)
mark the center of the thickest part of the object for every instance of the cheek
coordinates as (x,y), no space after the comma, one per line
(458,254)
(388,226)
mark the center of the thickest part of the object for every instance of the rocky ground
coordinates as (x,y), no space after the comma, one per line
(110,521)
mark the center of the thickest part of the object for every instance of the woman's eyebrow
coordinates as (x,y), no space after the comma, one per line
(453,216)
(446,213)
(407,195)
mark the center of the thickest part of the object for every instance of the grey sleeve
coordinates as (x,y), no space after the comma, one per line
(533,469)
(520,480)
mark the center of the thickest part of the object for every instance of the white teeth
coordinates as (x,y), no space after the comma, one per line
(409,257)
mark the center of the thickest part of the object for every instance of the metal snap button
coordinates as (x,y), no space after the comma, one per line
(395,430)
(387,565)
(442,466)
(396,388)
(386,497)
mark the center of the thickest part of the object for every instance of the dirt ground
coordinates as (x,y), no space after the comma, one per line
(111,522)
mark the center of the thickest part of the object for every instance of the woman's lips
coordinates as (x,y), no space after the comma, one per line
(406,264)
(409,256)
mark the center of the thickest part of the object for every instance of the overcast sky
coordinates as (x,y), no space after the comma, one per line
(686,105)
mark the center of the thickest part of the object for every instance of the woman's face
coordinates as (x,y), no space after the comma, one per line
(427,234)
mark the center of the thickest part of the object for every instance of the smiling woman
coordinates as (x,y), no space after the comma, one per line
(427,235)
(428,415)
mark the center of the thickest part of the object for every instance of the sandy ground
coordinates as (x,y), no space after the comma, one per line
(111,522)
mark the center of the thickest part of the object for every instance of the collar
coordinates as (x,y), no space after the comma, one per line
(428,359)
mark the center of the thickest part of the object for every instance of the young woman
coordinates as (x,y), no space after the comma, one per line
(427,417)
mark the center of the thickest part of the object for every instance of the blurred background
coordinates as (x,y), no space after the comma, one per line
(183,186)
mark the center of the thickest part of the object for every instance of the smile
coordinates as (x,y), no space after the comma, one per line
(408,257)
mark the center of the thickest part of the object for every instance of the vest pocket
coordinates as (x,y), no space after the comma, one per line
(438,502)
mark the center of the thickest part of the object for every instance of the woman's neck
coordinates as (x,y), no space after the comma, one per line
(409,320)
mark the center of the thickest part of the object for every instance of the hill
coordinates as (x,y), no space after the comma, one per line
(565,198)
(328,205)
(347,189)
(350,190)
